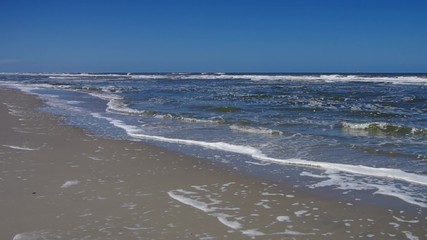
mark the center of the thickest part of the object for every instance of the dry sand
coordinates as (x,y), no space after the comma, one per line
(58,182)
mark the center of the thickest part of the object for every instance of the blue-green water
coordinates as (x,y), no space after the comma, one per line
(366,131)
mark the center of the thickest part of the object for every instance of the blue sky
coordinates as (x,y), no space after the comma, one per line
(211,36)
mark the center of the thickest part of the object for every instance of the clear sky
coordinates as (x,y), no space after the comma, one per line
(213,35)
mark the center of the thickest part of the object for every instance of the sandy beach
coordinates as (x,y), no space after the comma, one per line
(59,182)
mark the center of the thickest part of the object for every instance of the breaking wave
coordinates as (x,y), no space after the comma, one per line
(382,128)
(255,130)
(394,79)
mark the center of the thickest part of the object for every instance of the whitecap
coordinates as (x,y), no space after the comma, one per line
(257,130)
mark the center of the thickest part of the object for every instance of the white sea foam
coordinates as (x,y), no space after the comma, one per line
(28,236)
(70,183)
(409,235)
(308,174)
(13,110)
(403,79)
(216,120)
(207,201)
(223,218)
(406,221)
(405,195)
(345,181)
(259,130)
(294,233)
(135,228)
(117,105)
(22,87)
(210,206)
(283,219)
(333,169)
(382,127)
(95,158)
(272,194)
(64,74)
(51,100)
(361,126)
(395,225)
(258,163)
(179,195)
(287,77)
(56,102)
(253,233)
(300,213)
(21,148)
(256,233)
(257,154)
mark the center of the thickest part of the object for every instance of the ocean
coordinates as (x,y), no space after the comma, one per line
(362,133)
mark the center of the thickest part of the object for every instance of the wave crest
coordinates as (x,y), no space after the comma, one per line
(259,130)
(381,128)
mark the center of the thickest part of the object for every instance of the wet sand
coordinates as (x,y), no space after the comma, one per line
(57,181)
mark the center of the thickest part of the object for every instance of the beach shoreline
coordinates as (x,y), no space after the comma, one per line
(60,181)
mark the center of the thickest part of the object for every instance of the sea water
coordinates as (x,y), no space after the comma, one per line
(351,132)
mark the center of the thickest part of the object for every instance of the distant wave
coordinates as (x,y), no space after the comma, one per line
(66,75)
(393,79)
(285,77)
